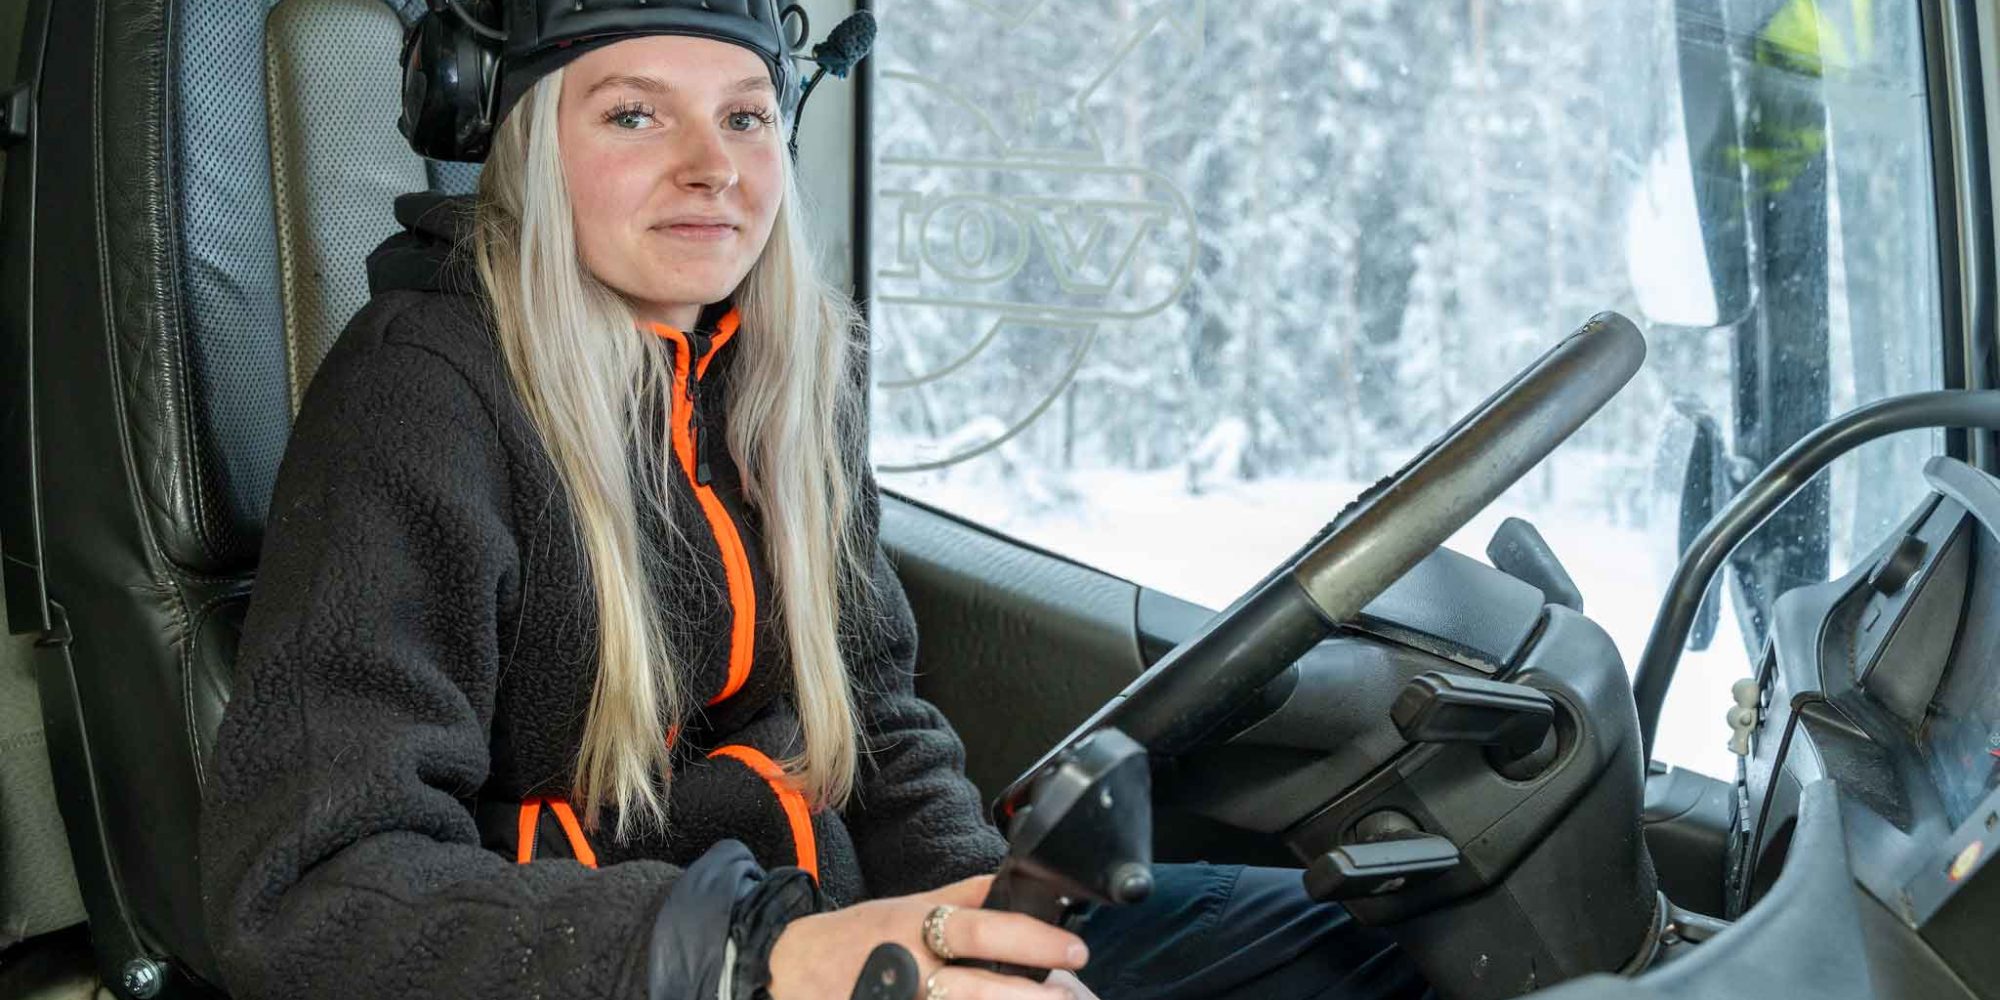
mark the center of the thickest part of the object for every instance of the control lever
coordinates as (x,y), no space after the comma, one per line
(1519,551)
(1439,707)
(1084,834)
(1351,871)
(1516,724)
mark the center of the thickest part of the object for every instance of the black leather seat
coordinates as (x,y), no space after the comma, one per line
(184,234)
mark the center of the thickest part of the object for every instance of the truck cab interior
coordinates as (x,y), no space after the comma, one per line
(1723,268)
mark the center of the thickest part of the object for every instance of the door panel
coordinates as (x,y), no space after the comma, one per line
(1015,645)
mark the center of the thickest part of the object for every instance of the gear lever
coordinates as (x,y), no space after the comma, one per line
(1083,833)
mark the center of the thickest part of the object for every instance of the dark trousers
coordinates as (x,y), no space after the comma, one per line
(1225,931)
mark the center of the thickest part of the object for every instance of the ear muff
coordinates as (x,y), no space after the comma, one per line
(448,80)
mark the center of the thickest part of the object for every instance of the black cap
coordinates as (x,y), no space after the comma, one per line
(545,35)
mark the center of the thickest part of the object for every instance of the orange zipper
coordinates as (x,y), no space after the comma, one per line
(689,370)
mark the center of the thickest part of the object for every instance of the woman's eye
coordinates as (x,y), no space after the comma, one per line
(628,116)
(749,120)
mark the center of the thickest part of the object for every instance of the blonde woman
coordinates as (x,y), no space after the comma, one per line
(574,668)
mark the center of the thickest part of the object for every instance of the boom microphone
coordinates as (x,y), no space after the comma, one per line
(848,43)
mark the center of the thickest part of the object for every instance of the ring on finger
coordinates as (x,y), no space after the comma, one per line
(934,932)
(932,991)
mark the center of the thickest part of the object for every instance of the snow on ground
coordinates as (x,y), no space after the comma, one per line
(1137,525)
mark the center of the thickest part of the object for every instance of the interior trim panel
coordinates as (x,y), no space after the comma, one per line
(994,619)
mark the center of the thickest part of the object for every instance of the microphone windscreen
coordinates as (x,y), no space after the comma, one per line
(847,43)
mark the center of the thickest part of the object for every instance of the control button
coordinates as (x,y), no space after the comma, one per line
(1385,824)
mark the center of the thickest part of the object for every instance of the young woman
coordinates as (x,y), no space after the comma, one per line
(574,667)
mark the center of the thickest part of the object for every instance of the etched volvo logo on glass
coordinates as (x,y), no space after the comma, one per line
(1011,231)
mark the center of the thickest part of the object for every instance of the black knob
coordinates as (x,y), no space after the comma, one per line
(1131,883)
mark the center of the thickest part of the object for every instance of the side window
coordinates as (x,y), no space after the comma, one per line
(1160,285)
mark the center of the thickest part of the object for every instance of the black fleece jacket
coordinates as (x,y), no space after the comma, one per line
(418,660)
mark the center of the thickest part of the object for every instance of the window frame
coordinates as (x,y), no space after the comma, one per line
(1960,123)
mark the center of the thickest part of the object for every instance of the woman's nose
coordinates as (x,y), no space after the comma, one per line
(705,164)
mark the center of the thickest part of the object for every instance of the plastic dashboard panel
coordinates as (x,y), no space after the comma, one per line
(1849,686)
(1816,936)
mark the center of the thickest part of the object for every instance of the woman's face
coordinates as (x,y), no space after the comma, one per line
(671,147)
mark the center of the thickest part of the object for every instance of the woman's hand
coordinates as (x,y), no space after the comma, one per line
(1072,986)
(821,955)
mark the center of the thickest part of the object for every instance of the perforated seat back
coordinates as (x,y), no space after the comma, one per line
(209,176)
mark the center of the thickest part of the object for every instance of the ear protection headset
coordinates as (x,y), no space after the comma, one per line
(464,67)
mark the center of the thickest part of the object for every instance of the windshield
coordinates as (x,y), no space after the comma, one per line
(1161,285)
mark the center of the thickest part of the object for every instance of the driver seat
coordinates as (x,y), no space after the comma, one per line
(185,227)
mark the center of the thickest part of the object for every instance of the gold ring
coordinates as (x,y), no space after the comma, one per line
(934,934)
(931,989)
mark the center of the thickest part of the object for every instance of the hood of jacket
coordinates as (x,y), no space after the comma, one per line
(433,253)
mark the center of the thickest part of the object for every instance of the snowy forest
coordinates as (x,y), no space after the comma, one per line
(1158,284)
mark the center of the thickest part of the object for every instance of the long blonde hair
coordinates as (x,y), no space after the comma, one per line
(593,384)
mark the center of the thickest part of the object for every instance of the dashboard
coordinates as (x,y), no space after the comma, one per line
(1887,681)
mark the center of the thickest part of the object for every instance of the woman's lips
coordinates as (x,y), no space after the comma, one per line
(706,233)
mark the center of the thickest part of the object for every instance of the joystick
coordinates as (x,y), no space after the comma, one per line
(1081,834)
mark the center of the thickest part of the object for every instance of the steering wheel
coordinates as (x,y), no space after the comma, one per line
(1202,682)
